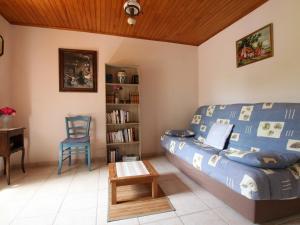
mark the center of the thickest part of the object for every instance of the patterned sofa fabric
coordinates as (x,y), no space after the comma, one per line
(254,183)
(257,127)
(262,127)
(266,160)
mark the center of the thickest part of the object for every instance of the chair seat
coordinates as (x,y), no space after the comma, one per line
(76,140)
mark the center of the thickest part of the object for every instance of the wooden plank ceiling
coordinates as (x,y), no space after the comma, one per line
(188,22)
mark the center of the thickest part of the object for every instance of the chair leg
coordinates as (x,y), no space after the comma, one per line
(8,170)
(86,155)
(70,159)
(89,156)
(4,161)
(60,160)
(23,159)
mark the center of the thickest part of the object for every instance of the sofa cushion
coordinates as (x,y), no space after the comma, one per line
(218,135)
(266,160)
(262,126)
(252,182)
(180,133)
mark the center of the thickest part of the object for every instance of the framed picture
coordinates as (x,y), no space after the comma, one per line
(1,45)
(255,46)
(77,70)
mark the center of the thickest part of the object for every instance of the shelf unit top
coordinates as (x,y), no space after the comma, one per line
(122,66)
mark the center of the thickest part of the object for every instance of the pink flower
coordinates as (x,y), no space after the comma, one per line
(7,111)
(117,87)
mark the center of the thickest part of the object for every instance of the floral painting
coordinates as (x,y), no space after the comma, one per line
(77,70)
(255,46)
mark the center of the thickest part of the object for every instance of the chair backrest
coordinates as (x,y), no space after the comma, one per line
(78,126)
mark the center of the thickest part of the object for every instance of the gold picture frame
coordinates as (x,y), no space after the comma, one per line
(255,46)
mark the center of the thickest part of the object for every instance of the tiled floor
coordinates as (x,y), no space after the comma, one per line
(79,197)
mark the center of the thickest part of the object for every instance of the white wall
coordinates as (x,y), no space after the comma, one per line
(169,82)
(5,67)
(274,79)
(5,63)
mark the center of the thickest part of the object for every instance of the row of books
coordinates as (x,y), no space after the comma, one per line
(122,136)
(134,97)
(117,117)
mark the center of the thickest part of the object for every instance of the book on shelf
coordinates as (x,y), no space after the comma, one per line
(134,97)
(110,98)
(114,155)
(126,135)
(117,117)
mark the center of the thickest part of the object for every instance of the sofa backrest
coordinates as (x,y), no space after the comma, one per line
(257,127)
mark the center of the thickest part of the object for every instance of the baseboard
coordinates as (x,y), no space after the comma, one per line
(54,163)
(50,163)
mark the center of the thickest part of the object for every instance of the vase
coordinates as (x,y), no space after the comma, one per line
(117,98)
(5,121)
(122,76)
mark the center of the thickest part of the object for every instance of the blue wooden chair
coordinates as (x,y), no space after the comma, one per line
(77,141)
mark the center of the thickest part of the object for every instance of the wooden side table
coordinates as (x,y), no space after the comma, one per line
(11,141)
(116,180)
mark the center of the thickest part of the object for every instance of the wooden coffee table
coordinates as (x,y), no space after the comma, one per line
(128,173)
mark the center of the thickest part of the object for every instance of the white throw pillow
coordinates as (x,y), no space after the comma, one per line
(218,135)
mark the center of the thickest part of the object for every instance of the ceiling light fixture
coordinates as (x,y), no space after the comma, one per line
(132,8)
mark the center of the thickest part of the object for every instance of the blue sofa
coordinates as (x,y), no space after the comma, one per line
(263,128)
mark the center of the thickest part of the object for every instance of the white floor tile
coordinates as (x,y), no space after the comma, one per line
(40,220)
(41,206)
(8,213)
(156,217)
(186,203)
(82,217)
(170,221)
(231,216)
(203,218)
(79,201)
(210,200)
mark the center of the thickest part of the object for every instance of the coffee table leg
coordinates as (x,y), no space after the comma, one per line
(113,193)
(154,187)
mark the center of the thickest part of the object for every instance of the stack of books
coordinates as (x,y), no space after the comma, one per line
(134,98)
(114,155)
(122,136)
(117,117)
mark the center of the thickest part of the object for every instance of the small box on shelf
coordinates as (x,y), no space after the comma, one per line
(130,158)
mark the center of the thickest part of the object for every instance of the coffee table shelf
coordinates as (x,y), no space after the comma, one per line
(133,178)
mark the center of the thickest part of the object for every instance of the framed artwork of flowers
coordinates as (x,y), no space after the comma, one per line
(255,46)
(77,70)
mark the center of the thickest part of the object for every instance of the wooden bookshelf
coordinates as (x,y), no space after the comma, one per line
(120,134)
